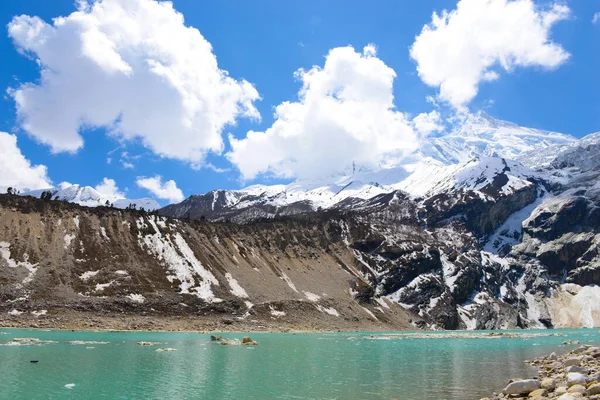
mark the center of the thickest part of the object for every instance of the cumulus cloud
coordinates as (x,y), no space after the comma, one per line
(134,68)
(344,114)
(16,171)
(596,18)
(108,188)
(168,190)
(472,44)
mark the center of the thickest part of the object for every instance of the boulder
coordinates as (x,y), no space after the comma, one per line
(575,378)
(522,387)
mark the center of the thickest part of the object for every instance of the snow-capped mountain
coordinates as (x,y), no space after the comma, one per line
(470,156)
(90,197)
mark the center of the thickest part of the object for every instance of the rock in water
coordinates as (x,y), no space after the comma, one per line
(522,387)
(248,342)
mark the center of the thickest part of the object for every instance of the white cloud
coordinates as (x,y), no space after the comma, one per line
(345,114)
(168,190)
(134,68)
(108,188)
(596,18)
(16,171)
(473,43)
(427,123)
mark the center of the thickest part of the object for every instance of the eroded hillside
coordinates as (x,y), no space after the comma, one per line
(58,259)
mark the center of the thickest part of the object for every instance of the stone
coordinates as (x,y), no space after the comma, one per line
(581,349)
(548,384)
(577,368)
(575,378)
(538,393)
(567,396)
(553,356)
(577,389)
(522,387)
(594,389)
(560,390)
(572,361)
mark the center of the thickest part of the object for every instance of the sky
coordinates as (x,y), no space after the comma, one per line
(146,98)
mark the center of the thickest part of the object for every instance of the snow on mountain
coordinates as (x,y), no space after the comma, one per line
(90,197)
(483,136)
(582,154)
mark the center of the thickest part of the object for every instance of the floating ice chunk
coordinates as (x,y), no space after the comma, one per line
(70,385)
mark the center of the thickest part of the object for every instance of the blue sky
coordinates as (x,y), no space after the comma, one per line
(265,42)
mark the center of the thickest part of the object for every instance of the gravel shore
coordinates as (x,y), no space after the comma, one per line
(574,375)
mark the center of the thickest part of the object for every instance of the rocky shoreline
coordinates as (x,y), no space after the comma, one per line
(94,321)
(574,375)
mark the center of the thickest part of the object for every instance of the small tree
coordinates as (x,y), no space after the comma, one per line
(9,190)
(107,203)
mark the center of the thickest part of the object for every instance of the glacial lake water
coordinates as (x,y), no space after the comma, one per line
(283,366)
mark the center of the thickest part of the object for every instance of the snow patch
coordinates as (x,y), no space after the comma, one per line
(88,274)
(276,313)
(311,296)
(179,258)
(329,310)
(32,268)
(289,282)
(136,298)
(236,289)
(68,239)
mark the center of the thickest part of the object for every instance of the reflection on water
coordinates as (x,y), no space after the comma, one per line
(283,366)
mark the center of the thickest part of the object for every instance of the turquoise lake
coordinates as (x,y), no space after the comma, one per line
(403,366)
